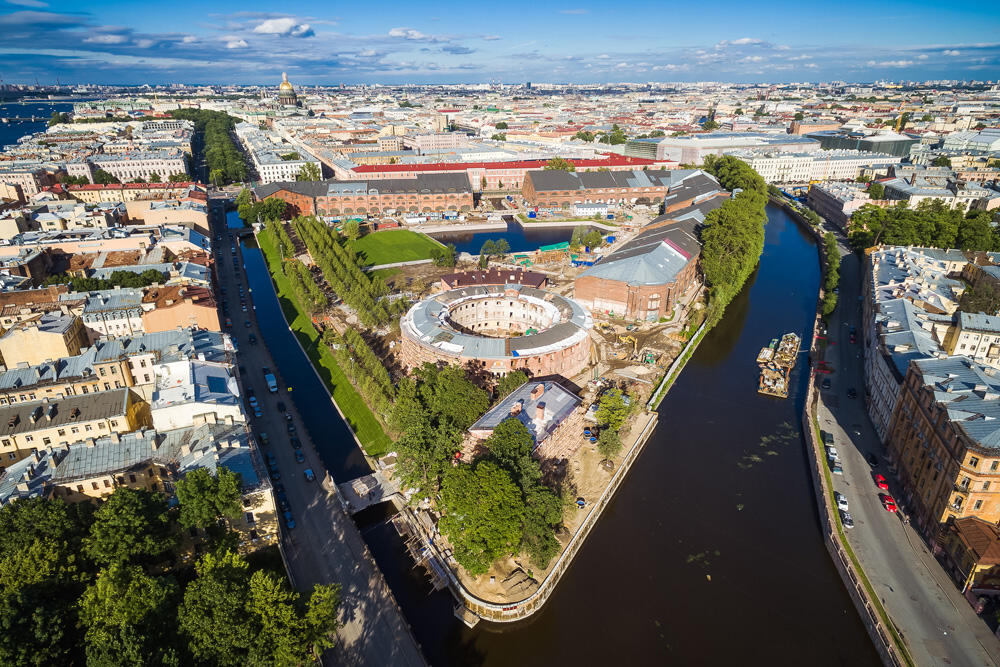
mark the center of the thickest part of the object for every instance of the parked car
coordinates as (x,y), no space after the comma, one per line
(826,383)
(831,452)
(289,520)
(295,442)
(291,428)
(299,456)
(881,483)
(836,468)
(841,501)
(271,460)
(264,439)
(257,413)
(252,339)
(827,437)
(247,324)
(888,502)
(852,393)
(847,519)
(309,475)
(283,501)
(872,459)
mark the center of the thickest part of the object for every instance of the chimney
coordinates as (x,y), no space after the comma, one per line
(22,487)
(537,392)
(515,409)
(185,450)
(115,438)
(540,412)
(90,442)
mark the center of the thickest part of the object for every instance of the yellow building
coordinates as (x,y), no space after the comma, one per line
(945,441)
(972,547)
(51,336)
(37,425)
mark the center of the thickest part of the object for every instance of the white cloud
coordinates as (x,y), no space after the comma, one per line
(237,44)
(922,56)
(889,63)
(28,3)
(491,38)
(752,59)
(144,43)
(367,53)
(407,33)
(742,41)
(286,27)
(109,38)
(604,56)
(951,52)
(622,65)
(811,65)
(802,57)
(188,39)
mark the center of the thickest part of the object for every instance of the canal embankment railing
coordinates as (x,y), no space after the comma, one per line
(676,367)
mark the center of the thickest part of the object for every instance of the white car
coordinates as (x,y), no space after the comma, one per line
(841,501)
(831,452)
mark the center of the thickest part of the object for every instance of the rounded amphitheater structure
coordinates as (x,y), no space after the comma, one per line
(501,328)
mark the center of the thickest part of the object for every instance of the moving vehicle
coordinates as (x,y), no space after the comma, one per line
(272,383)
(881,483)
(852,393)
(888,502)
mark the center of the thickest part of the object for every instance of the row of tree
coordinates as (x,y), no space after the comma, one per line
(364,370)
(222,156)
(109,586)
(116,279)
(831,275)
(341,270)
(932,224)
(733,234)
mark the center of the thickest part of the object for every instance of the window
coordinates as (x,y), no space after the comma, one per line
(131,478)
(114,423)
(46,440)
(104,370)
(79,488)
(94,485)
(978,505)
(61,431)
(973,462)
(107,386)
(249,517)
(29,438)
(85,390)
(986,486)
(86,427)
(994,466)
(107,484)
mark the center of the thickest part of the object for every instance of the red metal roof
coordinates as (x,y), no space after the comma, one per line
(609,161)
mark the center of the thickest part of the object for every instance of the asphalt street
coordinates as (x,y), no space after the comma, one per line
(937,623)
(325,545)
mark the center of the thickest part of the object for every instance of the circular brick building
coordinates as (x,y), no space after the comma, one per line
(500,328)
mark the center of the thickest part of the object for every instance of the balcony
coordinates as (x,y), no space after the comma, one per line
(964,490)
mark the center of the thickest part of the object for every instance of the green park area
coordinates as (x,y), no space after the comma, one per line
(351,404)
(394,245)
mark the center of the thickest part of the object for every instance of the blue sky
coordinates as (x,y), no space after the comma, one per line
(128,42)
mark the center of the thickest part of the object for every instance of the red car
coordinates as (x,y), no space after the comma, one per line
(888,502)
(881,483)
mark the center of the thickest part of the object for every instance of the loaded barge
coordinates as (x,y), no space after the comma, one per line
(776,362)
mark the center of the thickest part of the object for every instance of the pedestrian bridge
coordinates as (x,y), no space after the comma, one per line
(367,490)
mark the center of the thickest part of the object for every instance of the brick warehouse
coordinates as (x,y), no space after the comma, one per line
(642,279)
(427,193)
(554,189)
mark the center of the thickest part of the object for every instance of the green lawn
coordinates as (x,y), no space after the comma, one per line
(394,245)
(359,417)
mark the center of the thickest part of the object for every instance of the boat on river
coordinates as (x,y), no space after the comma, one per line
(776,362)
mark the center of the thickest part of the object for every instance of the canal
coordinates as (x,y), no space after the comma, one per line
(710,552)
(521,239)
(11,132)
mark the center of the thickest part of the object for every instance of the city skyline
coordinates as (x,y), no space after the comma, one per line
(580,42)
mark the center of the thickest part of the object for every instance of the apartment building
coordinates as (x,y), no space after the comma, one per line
(274,160)
(131,165)
(944,443)
(114,312)
(35,425)
(50,336)
(785,167)
(172,306)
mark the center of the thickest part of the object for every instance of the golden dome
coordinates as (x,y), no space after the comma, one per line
(285,85)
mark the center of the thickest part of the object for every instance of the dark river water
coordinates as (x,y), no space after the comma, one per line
(11,132)
(709,554)
(520,239)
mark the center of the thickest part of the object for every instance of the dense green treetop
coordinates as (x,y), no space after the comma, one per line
(204,498)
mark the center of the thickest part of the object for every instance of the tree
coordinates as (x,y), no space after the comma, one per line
(130,618)
(584,135)
(593,239)
(612,409)
(576,240)
(204,498)
(982,298)
(609,443)
(130,524)
(309,172)
(941,161)
(482,183)
(499,136)
(138,179)
(445,256)
(483,514)
(178,178)
(863,178)
(709,125)
(799,115)
(213,615)
(876,191)
(559,164)
(58,118)
(510,382)
(104,178)
(501,125)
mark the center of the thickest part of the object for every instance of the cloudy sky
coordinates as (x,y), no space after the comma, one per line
(329,42)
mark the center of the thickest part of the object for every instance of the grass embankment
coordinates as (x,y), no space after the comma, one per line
(528,221)
(832,502)
(359,417)
(394,245)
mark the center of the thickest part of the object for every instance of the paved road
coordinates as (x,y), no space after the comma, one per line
(936,622)
(325,546)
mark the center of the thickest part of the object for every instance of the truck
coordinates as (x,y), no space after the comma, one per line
(272,382)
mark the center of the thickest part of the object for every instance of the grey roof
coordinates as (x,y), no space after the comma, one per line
(18,418)
(557,403)
(210,446)
(555,179)
(903,330)
(979,322)
(969,392)
(427,323)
